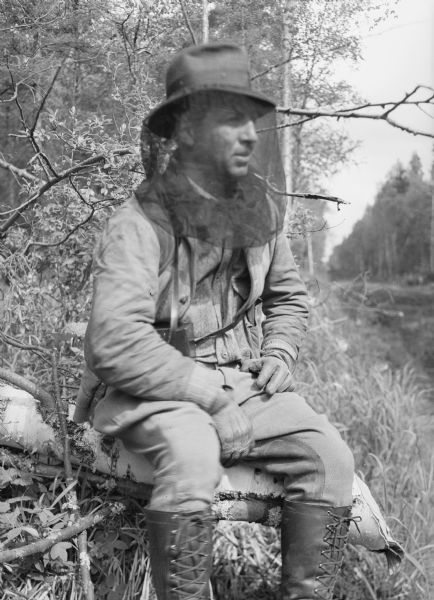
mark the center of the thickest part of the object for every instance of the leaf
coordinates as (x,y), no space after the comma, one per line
(60,551)
(4,507)
(10,519)
(13,533)
(6,476)
(31,531)
(44,516)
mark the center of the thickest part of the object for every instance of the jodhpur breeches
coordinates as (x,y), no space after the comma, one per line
(292,442)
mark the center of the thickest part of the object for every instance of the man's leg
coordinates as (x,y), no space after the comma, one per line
(184,451)
(302,447)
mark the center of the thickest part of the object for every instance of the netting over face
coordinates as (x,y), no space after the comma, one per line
(215,180)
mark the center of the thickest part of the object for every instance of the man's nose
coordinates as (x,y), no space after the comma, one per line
(248,132)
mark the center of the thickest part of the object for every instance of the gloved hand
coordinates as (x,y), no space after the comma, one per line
(274,373)
(235,432)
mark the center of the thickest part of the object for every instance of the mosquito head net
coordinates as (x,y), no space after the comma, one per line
(213,165)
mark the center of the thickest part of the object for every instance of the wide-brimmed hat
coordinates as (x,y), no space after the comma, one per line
(208,67)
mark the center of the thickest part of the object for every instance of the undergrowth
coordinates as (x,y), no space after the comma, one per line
(342,372)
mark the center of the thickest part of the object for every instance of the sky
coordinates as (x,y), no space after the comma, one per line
(398,55)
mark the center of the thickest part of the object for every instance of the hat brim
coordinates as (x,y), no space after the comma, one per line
(161,120)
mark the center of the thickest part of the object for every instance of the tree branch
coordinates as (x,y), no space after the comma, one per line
(23,173)
(356,112)
(33,389)
(8,339)
(60,535)
(308,196)
(43,101)
(305,195)
(29,133)
(187,21)
(83,557)
(71,231)
(52,181)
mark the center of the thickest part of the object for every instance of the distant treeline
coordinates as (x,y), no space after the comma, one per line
(393,237)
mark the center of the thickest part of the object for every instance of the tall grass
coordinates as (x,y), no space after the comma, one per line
(343,372)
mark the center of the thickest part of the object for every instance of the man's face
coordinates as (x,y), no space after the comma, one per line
(225,136)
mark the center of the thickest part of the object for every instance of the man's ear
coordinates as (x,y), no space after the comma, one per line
(184,131)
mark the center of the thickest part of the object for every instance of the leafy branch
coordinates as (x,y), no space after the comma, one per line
(67,173)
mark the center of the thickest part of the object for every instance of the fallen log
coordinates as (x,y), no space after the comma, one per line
(244,493)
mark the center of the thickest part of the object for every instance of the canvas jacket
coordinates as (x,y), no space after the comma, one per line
(132,287)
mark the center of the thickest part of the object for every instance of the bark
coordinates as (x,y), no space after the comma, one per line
(205,22)
(42,396)
(287,94)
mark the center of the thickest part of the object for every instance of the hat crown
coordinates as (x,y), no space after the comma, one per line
(218,66)
(209,66)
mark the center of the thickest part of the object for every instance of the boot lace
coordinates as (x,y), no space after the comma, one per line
(190,558)
(336,538)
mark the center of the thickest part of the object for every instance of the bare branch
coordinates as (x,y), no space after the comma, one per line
(126,42)
(17,171)
(283,62)
(271,68)
(13,97)
(37,392)
(308,196)
(305,195)
(8,339)
(43,101)
(187,21)
(65,238)
(59,535)
(38,21)
(356,112)
(70,480)
(39,155)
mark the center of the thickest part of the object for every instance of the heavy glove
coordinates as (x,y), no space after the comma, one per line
(274,374)
(235,432)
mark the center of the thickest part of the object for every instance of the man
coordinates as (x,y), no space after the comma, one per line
(202,246)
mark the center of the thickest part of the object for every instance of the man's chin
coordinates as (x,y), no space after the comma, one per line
(239,171)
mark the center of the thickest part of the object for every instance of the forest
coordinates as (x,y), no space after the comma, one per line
(77,78)
(393,240)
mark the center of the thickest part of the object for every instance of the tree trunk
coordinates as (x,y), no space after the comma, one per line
(287,95)
(431,254)
(205,21)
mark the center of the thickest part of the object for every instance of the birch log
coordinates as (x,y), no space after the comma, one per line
(244,493)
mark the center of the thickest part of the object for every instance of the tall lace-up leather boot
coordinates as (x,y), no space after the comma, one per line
(180,547)
(313,540)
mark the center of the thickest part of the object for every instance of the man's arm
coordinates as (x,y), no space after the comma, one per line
(284,306)
(285,309)
(122,346)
